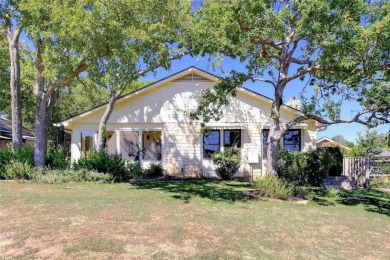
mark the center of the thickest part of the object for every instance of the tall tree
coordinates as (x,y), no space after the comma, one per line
(60,49)
(12,26)
(118,41)
(368,142)
(5,94)
(135,45)
(340,48)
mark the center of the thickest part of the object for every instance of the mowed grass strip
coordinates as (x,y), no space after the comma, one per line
(186,220)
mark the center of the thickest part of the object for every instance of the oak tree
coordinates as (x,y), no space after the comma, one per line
(338,49)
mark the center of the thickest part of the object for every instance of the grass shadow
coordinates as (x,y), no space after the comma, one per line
(323,202)
(372,200)
(214,190)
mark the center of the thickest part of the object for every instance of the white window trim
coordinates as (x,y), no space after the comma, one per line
(94,142)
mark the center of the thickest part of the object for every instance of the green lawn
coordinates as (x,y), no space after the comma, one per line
(187,220)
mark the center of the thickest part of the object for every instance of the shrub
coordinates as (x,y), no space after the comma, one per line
(380,182)
(17,159)
(135,170)
(310,168)
(292,167)
(303,193)
(24,154)
(228,162)
(323,162)
(5,158)
(334,159)
(154,171)
(64,176)
(273,187)
(103,162)
(56,159)
(16,170)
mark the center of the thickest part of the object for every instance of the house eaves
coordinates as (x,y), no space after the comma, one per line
(171,78)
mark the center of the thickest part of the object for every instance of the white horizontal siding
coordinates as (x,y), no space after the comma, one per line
(166,108)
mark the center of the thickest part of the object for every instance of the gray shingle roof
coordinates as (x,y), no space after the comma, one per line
(6,130)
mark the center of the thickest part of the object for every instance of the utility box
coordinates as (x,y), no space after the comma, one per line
(253,157)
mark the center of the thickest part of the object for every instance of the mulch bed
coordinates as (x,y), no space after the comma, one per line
(255,195)
(171,180)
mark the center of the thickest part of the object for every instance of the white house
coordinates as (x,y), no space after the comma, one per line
(152,124)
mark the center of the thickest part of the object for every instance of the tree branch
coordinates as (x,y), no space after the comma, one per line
(301,62)
(264,80)
(69,80)
(17,33)
(151,68)
(258,39)
(309,69)
(355,119)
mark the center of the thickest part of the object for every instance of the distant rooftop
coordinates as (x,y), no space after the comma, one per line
(6,130)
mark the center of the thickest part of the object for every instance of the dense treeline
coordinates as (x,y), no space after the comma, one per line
(59,58)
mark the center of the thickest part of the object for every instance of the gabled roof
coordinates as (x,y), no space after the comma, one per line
(328,140)
(6,130)
(177,75)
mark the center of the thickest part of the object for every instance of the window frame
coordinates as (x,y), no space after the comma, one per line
(232,145)
(299,143)
(282,141)
(144,149)
(83,135)
(219,144)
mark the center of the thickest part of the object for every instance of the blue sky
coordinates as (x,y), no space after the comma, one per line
(349,131)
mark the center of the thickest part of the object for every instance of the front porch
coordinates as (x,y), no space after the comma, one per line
(133,145)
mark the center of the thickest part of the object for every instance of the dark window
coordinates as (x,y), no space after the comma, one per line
(211,144)
(232,138)
(292,140)
(265,142)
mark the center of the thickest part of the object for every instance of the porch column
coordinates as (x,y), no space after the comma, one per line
(118,141)
(140,144)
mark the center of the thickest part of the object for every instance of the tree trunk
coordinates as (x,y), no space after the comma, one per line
(40,118)
(16,101)
(274,134)
(40,134)
(272,157)
(103,121)
(45,104)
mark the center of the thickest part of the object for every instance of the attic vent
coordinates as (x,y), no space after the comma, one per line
(191,78)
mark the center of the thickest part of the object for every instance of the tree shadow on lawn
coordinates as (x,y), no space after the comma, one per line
(214,190)
(372,200)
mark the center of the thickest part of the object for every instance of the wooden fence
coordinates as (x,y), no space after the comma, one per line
(359,169)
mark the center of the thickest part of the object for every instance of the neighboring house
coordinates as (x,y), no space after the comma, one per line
(152,124)
(6,134)
(326,142)
(383,155)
